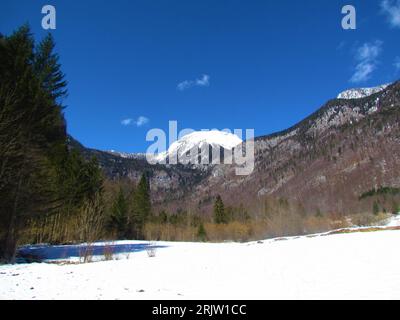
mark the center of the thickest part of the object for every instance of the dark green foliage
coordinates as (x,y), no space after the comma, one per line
(80,191)
(180,218)
(119,216)
(201,233)
(163,217)
(80,179)
(196,220)
(375,208)
(42,183)
(48,69)
(220,216)
(141,206)
(32,136)
(380,191)
(395,208)
(236,214)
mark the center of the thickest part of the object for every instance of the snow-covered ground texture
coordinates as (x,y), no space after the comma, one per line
(361,92)
(363,265)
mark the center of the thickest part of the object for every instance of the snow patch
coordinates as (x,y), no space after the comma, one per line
(359,93)
(198,139)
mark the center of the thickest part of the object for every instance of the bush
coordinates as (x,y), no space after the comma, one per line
(108,252)
(86,254)
(201,233)
(375,208)
(368,219)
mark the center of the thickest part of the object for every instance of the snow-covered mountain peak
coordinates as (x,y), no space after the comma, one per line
(198,139)
(214,137)
(359,93)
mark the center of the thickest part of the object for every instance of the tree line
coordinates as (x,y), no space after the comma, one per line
(48,191)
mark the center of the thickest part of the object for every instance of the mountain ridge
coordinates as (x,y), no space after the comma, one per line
(358,93)
(314,157)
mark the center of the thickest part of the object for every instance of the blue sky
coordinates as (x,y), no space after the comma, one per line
(134,65)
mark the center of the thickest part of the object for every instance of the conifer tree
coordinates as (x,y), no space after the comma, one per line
(48,69)
(32,136)
(119,216)
(141,206)
(220,216)
(201,233)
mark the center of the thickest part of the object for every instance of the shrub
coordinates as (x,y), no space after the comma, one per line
(86,254)
(108,252)
(375,208)
(201,233)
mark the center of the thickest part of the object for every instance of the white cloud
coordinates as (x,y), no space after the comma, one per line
(139,122)
(391,8)
(363,72)
(367,57)
(369,51)
(126,122)
(204,81)
(185,85)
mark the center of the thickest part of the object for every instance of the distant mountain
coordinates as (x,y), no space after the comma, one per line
(361,92)
(200,140)
(324,163)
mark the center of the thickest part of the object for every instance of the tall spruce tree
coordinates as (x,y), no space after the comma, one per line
(141,206)
(48,69)
(220,216)
(119,215)
(32,132)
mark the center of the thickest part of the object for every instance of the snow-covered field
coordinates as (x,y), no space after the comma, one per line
(344,266)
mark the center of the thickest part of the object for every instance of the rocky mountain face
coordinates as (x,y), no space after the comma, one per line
(324,163)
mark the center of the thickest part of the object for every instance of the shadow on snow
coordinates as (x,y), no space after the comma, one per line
(39,253)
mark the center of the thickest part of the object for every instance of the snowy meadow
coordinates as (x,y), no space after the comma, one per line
(341,266)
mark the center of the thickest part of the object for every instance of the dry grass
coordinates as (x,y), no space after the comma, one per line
(86,254)
(169,232)
(234,231)
(368,219)
(360,230)
(273,226)
(108,252)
